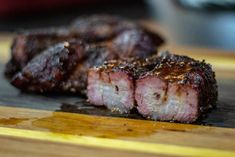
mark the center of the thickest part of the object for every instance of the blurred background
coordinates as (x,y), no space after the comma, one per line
(204,23)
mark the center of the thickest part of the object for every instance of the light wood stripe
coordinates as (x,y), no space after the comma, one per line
(164,149)
(5,49)
(119,128)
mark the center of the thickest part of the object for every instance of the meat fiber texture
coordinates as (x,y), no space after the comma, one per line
(92,40)
(166,87)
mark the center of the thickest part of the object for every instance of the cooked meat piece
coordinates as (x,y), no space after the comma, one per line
(61,68)
(134,43)
(114,90)
(101,27)
(112,85)
(29,44)
(34,77)
(104,38)
(120,35)
(179,88)
(166,87)
(46,71)
(104,27)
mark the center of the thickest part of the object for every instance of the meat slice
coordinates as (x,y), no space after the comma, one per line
(112,85)
(166,87)
(179,88)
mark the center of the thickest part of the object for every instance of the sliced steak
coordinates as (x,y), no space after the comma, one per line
(112,85)
(179,88)
(166,87)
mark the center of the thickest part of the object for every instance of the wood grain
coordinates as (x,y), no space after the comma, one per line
(140,147)
(118,128)
(25,147)
(117,133)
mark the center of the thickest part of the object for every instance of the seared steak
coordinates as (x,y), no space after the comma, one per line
(46,71)
(37,75)
(27,45)
(112,85)
(179,88)
(166,87)
(91,29)
(103,37)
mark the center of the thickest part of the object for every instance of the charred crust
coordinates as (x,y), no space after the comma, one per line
(45,72)
(90,40)
(177,69)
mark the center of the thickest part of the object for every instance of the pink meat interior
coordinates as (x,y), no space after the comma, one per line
(112,89)
(160,100)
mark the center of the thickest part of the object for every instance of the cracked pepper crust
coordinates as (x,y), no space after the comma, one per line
(179,75)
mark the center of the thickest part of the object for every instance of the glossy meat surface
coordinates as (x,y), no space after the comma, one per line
(167,87)
(179,88)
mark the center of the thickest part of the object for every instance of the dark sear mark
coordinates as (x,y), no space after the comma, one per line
(116,88)
(157,95)
(165,94)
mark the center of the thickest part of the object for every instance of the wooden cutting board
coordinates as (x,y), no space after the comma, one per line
(66,125)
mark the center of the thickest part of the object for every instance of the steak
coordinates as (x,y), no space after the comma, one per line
(60,68)
(27,45)
(179,88)
(37,75)
(112,85)
(100,37)
(91,29)
(46,71)
(165,87)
